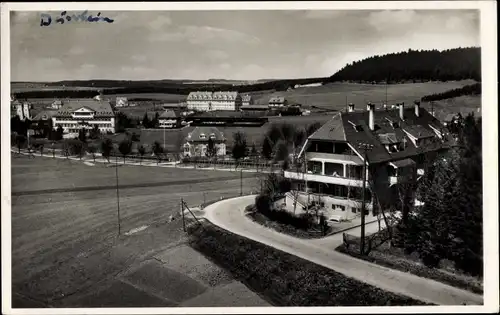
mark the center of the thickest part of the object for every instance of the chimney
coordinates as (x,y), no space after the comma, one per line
(401,110)
(351,107)
(417,108)
(371,118)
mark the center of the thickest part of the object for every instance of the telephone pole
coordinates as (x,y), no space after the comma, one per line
(365,147)
(241,182)
(117,193)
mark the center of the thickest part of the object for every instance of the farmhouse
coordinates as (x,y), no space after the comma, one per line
(121,101)
(399,141)
(277,101)
(20,109)
(197,142)
(56,104)
(247,100)
(169,119)
(84,114)
(207,101)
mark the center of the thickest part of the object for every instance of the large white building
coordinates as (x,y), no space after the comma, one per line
(21,109)
(208,101)
(121,101)
(398,140)
(84,114)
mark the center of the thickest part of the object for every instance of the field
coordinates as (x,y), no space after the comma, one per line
(254,134)
(64,228)
(168,98)
(334,96)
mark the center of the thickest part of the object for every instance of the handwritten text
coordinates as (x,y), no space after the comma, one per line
(46,19)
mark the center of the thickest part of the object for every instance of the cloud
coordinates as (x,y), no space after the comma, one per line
(323,14)
(160,22)
(216,54)
(390,20)
(76,50)
(199,35)
(139,58)
(225,66)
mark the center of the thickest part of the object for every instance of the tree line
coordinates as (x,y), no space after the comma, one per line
(414,65)
(471,89)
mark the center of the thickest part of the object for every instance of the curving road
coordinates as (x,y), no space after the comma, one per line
(229,215)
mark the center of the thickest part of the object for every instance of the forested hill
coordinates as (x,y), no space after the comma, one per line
(415,65)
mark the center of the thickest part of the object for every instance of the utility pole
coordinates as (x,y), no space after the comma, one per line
(241,182)
(365,147)
(182,212)
(117,193)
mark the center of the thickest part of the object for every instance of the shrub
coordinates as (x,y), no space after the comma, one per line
(263,203)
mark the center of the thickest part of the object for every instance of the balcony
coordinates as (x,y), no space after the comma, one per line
(337,180)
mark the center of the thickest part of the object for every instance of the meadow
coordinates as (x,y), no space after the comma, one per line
(64,240)
(334,95)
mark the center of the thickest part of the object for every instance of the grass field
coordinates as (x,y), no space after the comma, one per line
(64,243)
(254,134)
(334,95)
(168,98)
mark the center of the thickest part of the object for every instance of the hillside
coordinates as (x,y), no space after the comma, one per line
(415,66)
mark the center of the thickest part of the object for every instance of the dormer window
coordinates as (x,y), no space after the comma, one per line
(202,136)
(357,127)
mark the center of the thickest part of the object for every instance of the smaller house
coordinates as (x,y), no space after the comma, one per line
(247,100)
(197,142)
(169,119)
(43,119)
(277,101)
(121,101)
(56,104)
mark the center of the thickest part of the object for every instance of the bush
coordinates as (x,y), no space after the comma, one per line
(263,203)
(284,279)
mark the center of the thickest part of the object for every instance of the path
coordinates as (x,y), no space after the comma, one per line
(229,215)
(90,161)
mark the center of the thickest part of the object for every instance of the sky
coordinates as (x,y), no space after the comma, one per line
(239,45)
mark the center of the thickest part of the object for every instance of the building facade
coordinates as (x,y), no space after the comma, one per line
(197,142)
(84,114)
(21,109)
(398,142)
(121,101)
(247,100)
(226,101)
(208,101)
(277,101)
(169,119)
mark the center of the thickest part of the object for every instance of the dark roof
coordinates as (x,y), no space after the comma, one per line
(101,108)
(168,114)
(255,106)
(207,131)
(352,127)
(45,115)
(419,132)
(331,130)
(403,163)
(277,99)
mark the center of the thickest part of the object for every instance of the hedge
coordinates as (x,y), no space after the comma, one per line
(283,279)
(382,257)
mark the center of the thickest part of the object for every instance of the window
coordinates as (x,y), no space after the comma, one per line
(202,136)
(338,207)
(354,210)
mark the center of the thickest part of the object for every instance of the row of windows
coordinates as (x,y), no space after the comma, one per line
(353,209)
(72,125)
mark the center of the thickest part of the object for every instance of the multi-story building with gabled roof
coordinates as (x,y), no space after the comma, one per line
(84,114)
(399,141)
(197,141)
(207,101)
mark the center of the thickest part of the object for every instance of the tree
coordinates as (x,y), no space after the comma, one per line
(253,150)
(94,133)
(106,148)
(20,140)
(155,121)
(239,146)
(145,121)
(158,151)
(59,133)
(92,149)
(142,151)
(267,148)
(211,148)
(82,135)
(125,147)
